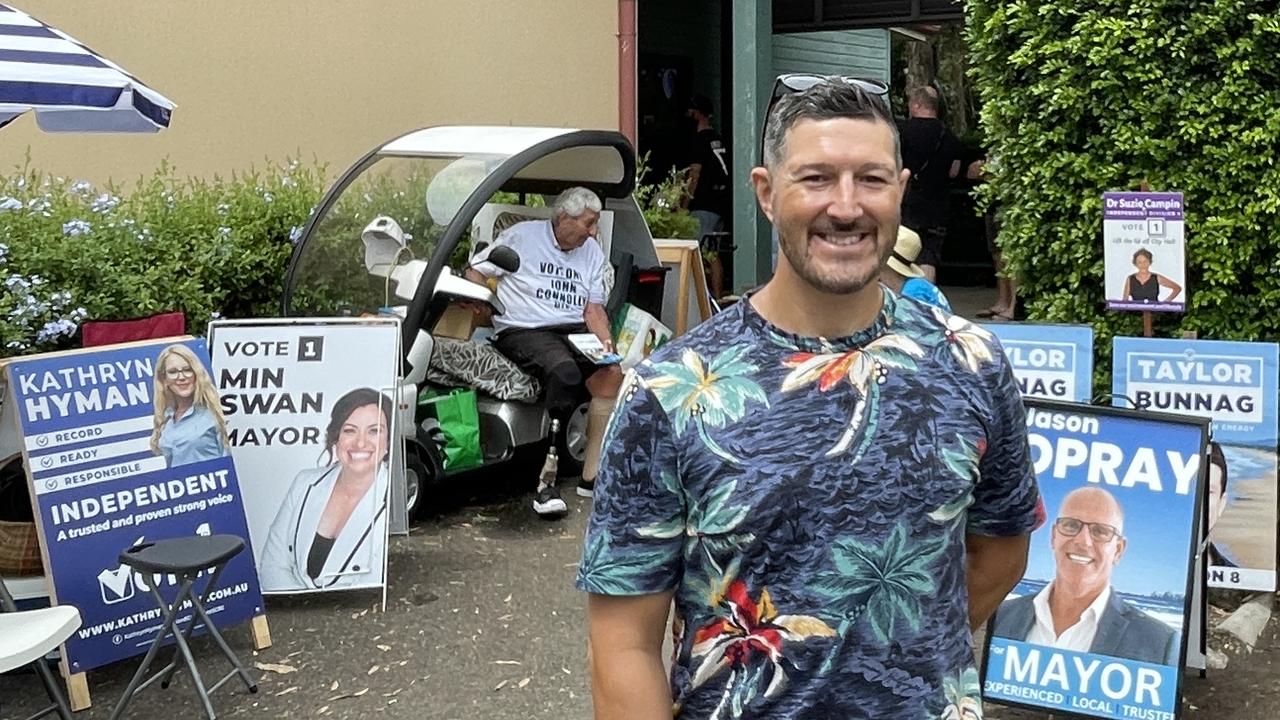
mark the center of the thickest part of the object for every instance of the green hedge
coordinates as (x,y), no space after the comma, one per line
(1089,96)
(70,252)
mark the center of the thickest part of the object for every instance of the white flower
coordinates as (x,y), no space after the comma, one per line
(9,204)
(224,231)
(55,329)
(4,251)
(104,203)
(223,208)
(81,187)
(17,284)
(76,228)
(38,205)
(295,234)
(268,197)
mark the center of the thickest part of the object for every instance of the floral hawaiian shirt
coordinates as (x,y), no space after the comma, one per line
(808,499)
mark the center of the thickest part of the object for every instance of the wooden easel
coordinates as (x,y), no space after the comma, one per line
(686,257)
(78,695)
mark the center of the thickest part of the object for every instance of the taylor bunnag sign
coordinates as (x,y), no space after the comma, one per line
(1234,384)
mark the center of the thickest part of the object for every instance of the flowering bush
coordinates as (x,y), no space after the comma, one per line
(71,252)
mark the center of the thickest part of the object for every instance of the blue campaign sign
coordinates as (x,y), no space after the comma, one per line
(1232,383)
(1098,622)
(1054,362)
(127,445)
(1235,385)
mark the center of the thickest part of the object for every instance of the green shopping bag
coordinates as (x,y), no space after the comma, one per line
(458,418)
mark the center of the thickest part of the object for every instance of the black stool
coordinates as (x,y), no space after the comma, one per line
(185,558)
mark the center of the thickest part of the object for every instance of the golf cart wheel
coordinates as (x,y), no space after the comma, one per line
(420,471)
(572,448)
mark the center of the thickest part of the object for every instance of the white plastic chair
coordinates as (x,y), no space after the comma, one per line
(29,635)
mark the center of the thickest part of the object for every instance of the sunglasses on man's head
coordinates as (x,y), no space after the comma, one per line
(799,82)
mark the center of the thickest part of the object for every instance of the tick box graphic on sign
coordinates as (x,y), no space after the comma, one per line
(116,585)
(1155,227)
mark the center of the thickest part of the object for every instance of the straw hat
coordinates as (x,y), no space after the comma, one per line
(905,252)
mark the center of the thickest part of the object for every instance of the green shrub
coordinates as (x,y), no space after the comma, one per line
(70,252)
(1084,97)
(661,203)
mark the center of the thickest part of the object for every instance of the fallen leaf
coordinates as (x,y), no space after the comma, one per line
(506,599)
(323,710)
(506,662)
(384,648)
(524,683)
(565,670)
(372,670)
(280,668)
(500,685)
(288,690)
(334,686)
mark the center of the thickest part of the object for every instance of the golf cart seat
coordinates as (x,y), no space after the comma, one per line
(478,364)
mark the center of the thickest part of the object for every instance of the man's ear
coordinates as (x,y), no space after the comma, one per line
(1122,543)
(903,177)
(762,183)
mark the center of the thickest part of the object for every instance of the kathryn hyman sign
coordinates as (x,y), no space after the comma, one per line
(1234,384)
(1054,362)
(1097,624)
(126,445)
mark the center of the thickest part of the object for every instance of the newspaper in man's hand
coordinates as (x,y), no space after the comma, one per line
(590,346)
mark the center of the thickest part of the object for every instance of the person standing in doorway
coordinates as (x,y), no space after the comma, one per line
(707,175)
(932,154)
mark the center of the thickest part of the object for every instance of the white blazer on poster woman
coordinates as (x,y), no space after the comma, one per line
(357,556)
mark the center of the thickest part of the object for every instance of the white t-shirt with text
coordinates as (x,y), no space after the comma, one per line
(552,286)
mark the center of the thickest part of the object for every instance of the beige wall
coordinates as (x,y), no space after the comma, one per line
(327,79)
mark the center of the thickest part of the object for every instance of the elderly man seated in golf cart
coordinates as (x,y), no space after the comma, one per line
(559,290)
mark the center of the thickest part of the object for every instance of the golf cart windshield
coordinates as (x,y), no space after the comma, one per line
(420,195)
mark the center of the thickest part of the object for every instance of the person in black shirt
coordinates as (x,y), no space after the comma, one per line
(932,154)
(707,175)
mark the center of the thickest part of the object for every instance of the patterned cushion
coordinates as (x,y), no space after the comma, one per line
(479,365)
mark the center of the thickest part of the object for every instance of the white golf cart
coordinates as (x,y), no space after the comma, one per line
(394,235)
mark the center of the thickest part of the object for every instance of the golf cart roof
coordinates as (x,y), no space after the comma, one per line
(546,157)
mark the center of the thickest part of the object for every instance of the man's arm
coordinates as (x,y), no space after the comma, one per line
(597,321)
(475,276)
(692,174)
(993,566)
(624,651)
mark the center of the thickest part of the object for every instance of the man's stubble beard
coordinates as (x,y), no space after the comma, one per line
(798,257)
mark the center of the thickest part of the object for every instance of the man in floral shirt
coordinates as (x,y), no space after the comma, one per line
(832,482)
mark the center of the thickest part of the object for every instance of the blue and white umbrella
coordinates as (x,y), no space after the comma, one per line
(69,87)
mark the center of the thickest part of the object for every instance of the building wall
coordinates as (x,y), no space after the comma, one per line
(264,80)
(861,53)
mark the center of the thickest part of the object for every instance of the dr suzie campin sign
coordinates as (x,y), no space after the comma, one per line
(1096,626)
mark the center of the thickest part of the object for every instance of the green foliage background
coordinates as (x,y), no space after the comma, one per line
(1090,96)
(206,247)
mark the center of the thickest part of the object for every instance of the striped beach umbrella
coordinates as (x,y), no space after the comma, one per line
(69,87)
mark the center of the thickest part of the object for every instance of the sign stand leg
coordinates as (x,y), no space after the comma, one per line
(78,691)
(261,633)
(1148,329)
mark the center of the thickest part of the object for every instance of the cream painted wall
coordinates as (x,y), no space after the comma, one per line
(265,79)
